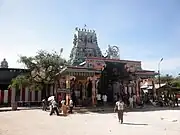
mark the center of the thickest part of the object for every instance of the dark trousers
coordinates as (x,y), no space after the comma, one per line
(54,109)
(44,107)
(99,103)
(120,115)
(70,110)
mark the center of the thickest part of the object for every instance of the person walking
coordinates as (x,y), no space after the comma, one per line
(119,107)
(70,106)
(54,107)
(44,105)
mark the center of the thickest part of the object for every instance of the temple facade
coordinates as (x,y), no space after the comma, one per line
(117,76)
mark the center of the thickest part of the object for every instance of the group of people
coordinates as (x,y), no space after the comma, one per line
(130,101)
(101,99)
(57,108)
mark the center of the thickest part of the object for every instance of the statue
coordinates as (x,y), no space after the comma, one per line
(75,40)
(4,63)
(112,52)
(94,39)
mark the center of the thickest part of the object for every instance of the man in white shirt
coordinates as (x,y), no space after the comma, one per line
(98,99)
(119,107)
(104,99)
(70,106)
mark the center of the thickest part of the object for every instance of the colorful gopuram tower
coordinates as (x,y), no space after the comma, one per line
(84,45)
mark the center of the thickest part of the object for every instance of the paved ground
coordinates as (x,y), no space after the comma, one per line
(37,122)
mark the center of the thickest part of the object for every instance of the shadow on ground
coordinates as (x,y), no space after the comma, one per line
(18,109)
(111,109)
(101,110)
(136,124)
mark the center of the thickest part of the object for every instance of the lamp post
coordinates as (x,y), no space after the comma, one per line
(159,77)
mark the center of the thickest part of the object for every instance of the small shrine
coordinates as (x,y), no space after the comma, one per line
(4,63)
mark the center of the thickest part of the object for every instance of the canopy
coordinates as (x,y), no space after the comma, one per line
(78,71)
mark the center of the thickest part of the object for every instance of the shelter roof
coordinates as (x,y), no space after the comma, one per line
(146,72)
(77,69)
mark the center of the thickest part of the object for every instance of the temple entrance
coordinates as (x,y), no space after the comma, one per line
(112,79)
(81,84)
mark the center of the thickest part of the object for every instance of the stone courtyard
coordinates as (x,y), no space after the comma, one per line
(37,122)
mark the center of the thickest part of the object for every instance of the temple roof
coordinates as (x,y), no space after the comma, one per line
(111,60)
(81,70)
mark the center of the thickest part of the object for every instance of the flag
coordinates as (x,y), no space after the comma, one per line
(61,50)
(161,59)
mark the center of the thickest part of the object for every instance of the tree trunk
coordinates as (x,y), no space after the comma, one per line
(14,104)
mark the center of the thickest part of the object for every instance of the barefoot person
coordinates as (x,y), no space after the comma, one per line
(119,107)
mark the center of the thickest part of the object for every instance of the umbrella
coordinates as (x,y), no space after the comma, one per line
(51,98)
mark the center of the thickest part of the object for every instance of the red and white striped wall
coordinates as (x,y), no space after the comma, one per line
(8,96)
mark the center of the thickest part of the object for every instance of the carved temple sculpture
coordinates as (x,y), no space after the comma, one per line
(4,63)
(84,45)
(113,52)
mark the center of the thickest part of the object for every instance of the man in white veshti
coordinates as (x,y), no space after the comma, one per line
(99,99)
(104,99)
(119,107)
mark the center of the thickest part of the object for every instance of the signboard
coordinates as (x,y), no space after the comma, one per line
(63,90)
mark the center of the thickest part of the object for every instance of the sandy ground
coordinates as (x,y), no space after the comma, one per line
(37,122)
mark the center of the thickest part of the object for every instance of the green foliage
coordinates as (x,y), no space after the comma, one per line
(164,79)
(175,83)
(19,81)
(42,69)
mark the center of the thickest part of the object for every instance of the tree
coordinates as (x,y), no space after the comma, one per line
(164,79)
(175,83)
(42,67)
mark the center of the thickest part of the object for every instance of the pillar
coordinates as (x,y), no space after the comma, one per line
(130,89)
(26,94)
(51,90)
(93,90)
(137,90)
(13,99)
(33,95)
(39,95)
(67,88)
(83,90)
(125,89)
(154,89)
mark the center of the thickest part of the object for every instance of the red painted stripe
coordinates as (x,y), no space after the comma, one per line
(9,95)
(2,96)
(23,94)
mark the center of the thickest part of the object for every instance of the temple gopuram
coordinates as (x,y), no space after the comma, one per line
(91,73)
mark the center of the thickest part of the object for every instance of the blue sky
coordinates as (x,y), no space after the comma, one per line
(145,30)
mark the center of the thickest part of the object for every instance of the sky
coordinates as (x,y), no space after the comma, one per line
(144,30)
